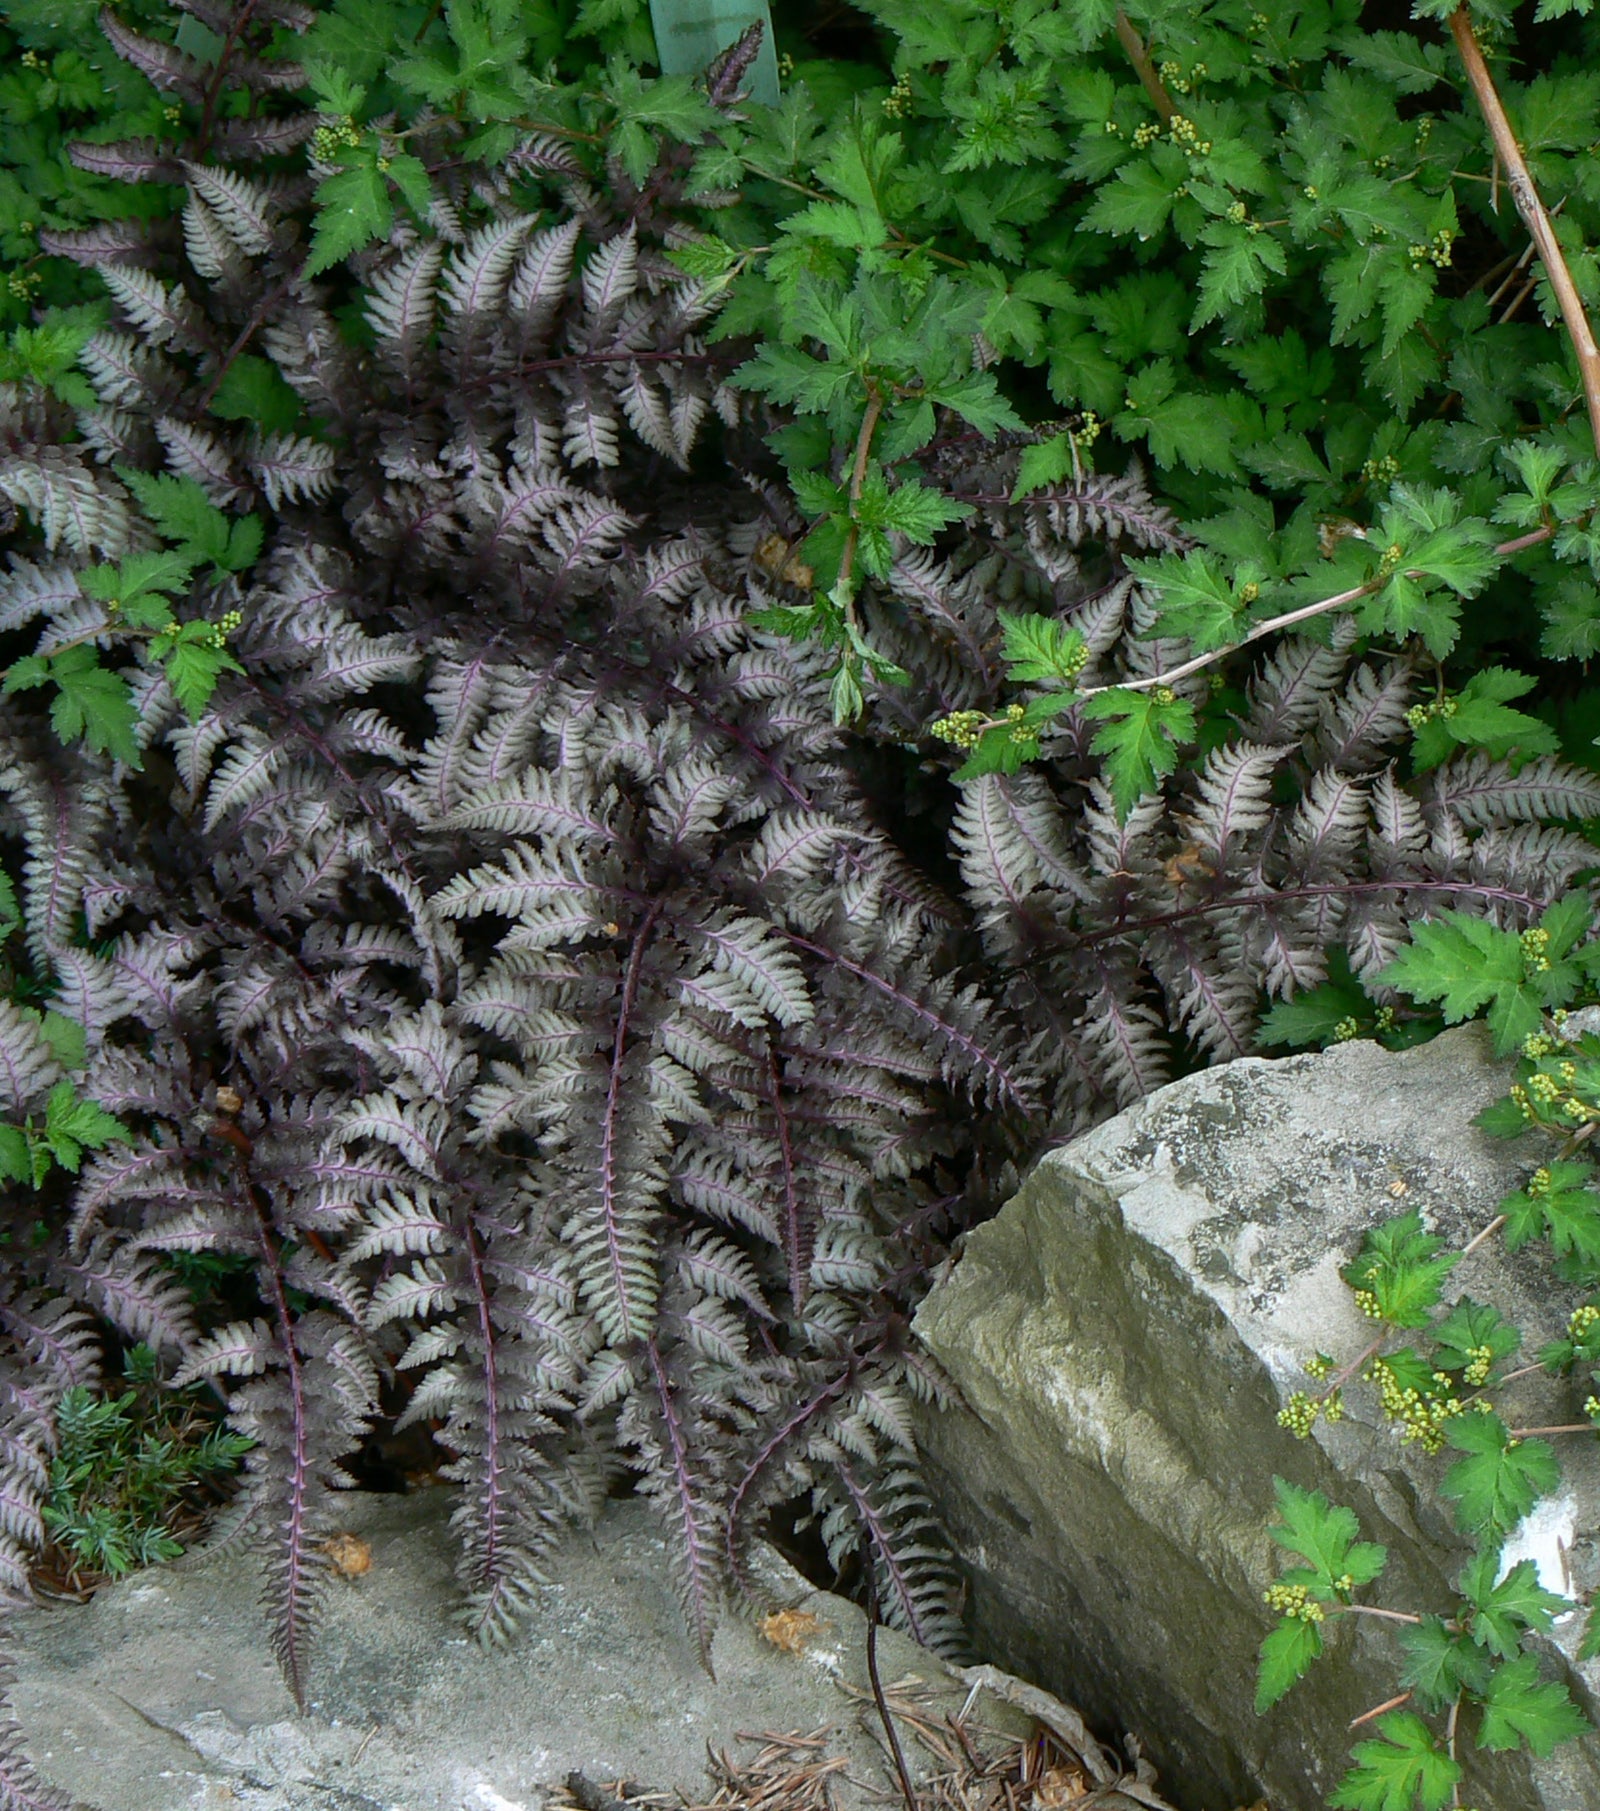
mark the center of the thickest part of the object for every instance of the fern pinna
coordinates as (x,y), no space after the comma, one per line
(510,964)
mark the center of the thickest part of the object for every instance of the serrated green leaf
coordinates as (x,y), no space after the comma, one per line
(1403,1267)
(1041,648)
(181,512)
(1468,964)
(1505,1609)
(1480,716)
(90,702)
(254,390)
(788,375)
(1500,1479)
(193,666)
(911,509)
(1139,202)
(1044,463)
(1403,1768)
(1470,1330)
(817,493)
(1520,1709)
(1571,609)
(1438,539)
(1313,1018)
(410,176)
(1138,736)
(1195,598)
(1537,466)
(1564,1209)
(353,209)
(138,577)
(10,912)
(66,1039)
(976,398)
(16,1164)
(1502,1119)
(1182,428)
(1235,268)
(1440,1664)
(1285,1655)
(1325,1536)
(72,1124)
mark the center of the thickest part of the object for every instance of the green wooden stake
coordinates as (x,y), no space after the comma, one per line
(690,33)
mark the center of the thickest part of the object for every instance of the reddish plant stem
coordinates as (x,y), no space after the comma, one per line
(1342,1377)
(1139,57)
(1368,1609)
(1488,1233)
(1378,1709)
(858,478)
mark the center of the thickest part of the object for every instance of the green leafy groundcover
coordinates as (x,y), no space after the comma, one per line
(1267,251)
(1271,253)
(126,1470)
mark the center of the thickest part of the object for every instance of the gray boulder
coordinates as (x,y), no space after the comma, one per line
(1124,1334)
(160,1695)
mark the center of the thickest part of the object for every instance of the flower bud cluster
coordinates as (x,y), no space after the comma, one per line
(1172,74)
(1186,136)
(1421,1418)
(328,141)
(1535,942)
(1420,714)
(1437,251)
(1293,1601)
(962,729)
(1301,1412)
(897,102)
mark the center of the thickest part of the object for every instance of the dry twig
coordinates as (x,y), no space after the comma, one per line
(1520,181)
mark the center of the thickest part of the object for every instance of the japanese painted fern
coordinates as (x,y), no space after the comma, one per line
(507,965)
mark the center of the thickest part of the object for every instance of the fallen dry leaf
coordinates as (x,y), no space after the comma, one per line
(773,555)
(350,1554)
(790,1629)
(1062,1785)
